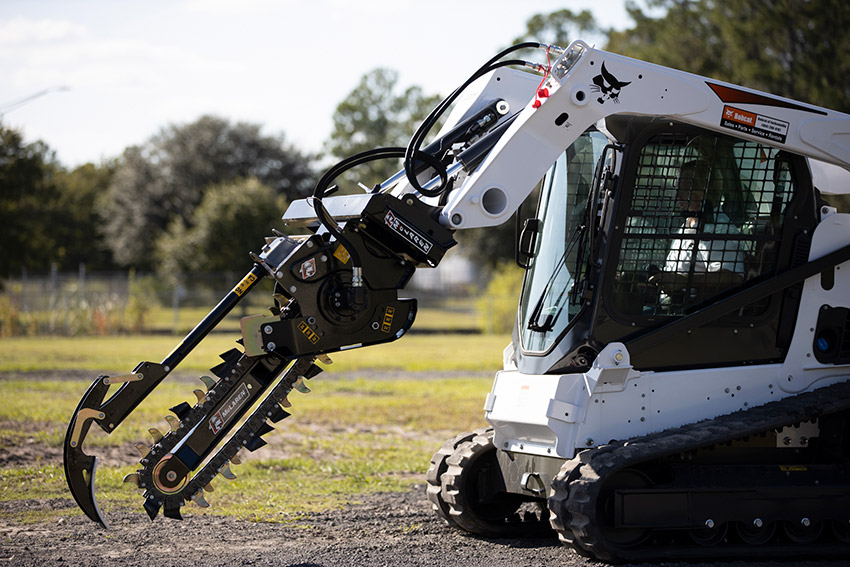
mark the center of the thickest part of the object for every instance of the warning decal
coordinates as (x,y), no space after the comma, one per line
(242,286)
(754,124)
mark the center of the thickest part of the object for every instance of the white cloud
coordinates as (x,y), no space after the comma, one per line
(21,30)
(133,67)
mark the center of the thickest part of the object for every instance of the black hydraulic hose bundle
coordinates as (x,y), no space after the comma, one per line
(323,188)
(412,154)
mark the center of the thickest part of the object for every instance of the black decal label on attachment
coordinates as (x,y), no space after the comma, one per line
(407,232)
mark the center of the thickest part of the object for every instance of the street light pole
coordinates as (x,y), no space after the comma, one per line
(7,107)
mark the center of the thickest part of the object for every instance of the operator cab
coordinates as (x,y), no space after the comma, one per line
(653,221)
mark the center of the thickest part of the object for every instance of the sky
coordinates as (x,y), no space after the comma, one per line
(108,74)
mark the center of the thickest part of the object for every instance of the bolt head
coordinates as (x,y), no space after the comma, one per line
(709,523)
(757,523)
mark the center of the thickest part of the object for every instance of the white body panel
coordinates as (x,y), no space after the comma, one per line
(556,415)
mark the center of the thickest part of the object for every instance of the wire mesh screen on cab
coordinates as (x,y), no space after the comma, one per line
(705,217)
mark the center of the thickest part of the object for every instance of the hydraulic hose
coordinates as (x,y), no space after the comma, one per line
(412,152)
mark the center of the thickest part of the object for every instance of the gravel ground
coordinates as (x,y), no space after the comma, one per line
(387,529)
(396,529)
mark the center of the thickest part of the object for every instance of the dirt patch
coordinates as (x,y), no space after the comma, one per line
(396,529)
(385,529)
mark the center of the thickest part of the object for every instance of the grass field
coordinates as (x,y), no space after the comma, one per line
(108,355)
(454,316)
(371,423)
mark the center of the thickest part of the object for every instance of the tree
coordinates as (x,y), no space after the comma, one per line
(48,215)
(80,196)
(792,48)
(375,115)
(230,221)
(165,179)
(561,27)
(26,183)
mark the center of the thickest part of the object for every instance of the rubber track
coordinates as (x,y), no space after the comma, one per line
(435,472)
(459,493)
(597,465)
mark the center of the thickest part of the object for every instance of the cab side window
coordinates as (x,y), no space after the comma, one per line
(705,217)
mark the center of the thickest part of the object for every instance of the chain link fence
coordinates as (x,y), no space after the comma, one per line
(104,303)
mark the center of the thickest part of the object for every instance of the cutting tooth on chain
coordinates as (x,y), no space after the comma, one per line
(208,382)
(181,410)
(324,359)
(152,507)
(227,473)
(277,413)
(209,488)
(142,449)
(173,422)
(201,395)
(199,499)
(313,371)
(300,386)
(285,402)
(255,443)
(134,478)
(236,460)
(156,434)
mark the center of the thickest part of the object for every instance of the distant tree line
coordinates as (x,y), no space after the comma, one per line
(182,200)
(199,196)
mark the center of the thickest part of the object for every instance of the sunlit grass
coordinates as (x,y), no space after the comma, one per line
(463,316)
(371,424)
(110,355)
(345,439)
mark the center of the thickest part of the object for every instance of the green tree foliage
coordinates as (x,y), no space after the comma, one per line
(497,306)
(561,27)
(230,221)
(47,215)
(373,115)
(78,234)
(27,191)
(163,180)
(792,48)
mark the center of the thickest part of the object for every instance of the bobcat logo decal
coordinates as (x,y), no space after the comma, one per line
(608,85)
